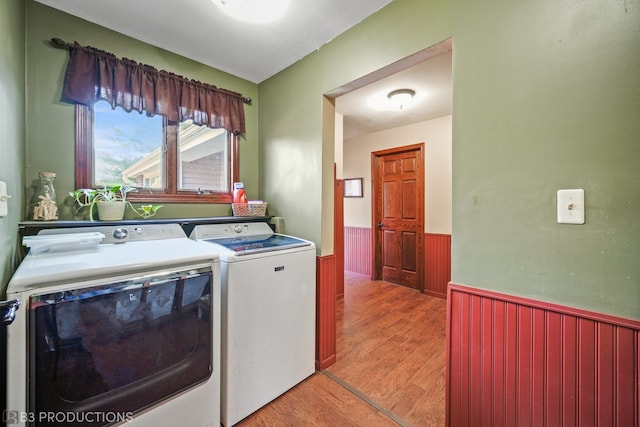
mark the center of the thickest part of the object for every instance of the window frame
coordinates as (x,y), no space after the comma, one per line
(170,194)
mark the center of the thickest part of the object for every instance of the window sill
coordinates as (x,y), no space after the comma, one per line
(159,198)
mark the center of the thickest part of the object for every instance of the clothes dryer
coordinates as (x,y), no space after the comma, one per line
(124,331)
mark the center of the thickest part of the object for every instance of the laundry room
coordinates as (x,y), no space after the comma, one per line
(136,274)
(541,123)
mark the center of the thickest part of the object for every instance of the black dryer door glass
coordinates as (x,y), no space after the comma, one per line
(118,348)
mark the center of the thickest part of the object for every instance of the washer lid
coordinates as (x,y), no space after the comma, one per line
(261,243)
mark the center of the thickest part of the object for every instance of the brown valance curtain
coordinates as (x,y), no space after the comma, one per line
(94,75)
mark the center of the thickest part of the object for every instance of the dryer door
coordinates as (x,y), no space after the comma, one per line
(117,348)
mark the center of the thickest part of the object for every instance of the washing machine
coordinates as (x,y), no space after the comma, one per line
(114,325)
(268,313)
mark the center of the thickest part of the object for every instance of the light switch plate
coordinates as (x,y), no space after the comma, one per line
(571,206)
(3,199)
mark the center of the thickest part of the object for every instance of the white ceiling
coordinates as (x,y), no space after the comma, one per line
(255,52)
(199,30)
(430,79)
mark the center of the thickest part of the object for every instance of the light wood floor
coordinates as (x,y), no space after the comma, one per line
(390,367)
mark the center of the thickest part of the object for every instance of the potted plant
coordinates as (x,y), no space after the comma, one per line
(110,202)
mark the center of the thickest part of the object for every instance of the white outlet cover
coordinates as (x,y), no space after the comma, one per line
(3,199)
(571,206)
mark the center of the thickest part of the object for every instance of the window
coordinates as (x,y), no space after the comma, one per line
(167,161)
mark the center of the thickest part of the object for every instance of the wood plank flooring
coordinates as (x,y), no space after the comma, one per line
(390,367)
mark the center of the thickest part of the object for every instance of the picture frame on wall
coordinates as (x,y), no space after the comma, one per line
(353,187)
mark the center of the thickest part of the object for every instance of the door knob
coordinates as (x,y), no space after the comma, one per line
(380,225)
(11,308)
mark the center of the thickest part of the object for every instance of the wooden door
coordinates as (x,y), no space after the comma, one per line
(398,215)
(338,233)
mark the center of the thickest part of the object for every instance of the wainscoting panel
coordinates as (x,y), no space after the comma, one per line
(514,361)
(357,250)
(437,264)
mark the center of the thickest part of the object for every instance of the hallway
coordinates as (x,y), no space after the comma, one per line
(390,367)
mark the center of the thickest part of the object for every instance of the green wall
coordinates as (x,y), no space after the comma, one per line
(296,156)
(12,129)
(50,123)
(546,96)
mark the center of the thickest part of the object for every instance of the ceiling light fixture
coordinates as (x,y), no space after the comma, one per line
(254,11)
(400,98)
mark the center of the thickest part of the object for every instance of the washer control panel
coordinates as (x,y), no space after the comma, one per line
(221,231)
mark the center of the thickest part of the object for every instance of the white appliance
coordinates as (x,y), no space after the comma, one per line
(268,313)
(122,332)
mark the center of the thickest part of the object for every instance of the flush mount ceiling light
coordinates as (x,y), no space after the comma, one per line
(400,98)
(255,11)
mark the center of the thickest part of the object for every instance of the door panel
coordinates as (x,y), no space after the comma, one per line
(398,215)
(390,166)
(409,249)
(390,258)
(408,199)
(392,209)
(409,165)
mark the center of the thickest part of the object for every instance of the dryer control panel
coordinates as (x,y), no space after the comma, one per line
(127,233)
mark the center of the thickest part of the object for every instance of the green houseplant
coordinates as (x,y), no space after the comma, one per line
(110,202)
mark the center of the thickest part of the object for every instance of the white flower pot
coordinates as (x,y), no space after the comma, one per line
(111,211)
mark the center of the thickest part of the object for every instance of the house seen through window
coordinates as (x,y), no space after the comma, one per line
(166,161)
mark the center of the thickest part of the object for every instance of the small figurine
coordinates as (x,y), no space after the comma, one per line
(46,209)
